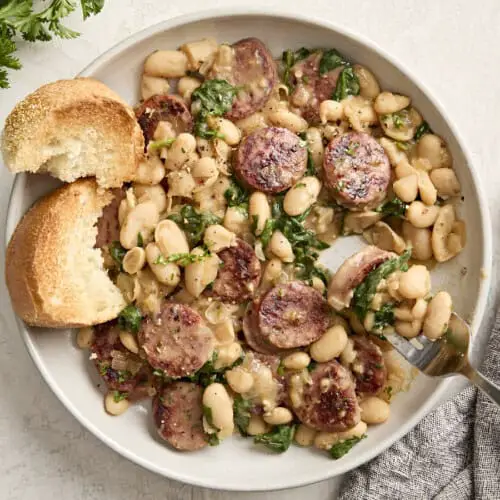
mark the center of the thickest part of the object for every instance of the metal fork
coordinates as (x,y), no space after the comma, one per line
(445,357)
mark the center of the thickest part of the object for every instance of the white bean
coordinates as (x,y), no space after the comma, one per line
(438,315)
(230,133)
(281,247)
(170,238)
(359,112)
(199,274)
(296,361)
(368,85)
(278,416)
(113,407)
(168,273)
(433,148)
(315,143)
(85,337)
(395,155)
(129,286)
(259,211)
(301,196)
(218,238)
(236,220)
(153,85)
(156,194)
(422,215)
(181,183)
(374,410)
(420,240)
(415,283)
(330,345)
(289,120)
(419,309)
(331,111)
(181,151)
(216,398)
(151,171)
(383,236)
(205,173)
(139,220)
(428,192)
(200,51)
(304,436)
(186,86)
(387,103)
(228,355)
(256,426)
(224,332)
(446,182)
(445,227)
(272,272)
(129,341)
(166,63)
(239,380)
(134,260)
(252,123)
(406,188)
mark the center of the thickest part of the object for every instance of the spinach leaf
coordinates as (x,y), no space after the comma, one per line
(330,60)
(207,413)
(237,195)
(241,410)
(365,291)
(119,396)
(277,440)
(140,240)
(117,252)
(422,129)
(194,223)
(214,98)
(288,60)
(208,374)
(340,449)
(311,168)
(130,318)
(347,84)
(383,317)
(395,207)
(212,439)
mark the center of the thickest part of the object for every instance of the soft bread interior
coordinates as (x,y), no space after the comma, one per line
(55,275)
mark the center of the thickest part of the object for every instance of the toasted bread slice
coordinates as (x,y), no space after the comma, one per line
(72,129)
(54,273)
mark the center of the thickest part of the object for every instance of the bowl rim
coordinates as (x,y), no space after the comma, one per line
(242,11)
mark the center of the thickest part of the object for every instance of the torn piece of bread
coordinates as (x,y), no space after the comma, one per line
(54,273)
(72,129)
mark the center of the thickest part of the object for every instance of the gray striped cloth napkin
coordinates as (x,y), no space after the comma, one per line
(453,454)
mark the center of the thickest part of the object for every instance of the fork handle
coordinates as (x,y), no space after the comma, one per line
(480,381)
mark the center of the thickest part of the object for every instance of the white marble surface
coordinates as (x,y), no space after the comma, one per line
(452,45)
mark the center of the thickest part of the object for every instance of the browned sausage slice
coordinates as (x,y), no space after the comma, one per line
(292,315)
(163,108)
(178,415)
(176,340)
(271,159)
(121,369)
(252,333)
(328,401)
(357,170)
(253,70)
(239,274)
(352,272)
(108,227)
(368,366)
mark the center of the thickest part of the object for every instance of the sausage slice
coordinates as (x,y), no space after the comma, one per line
(311,88)
(271,160)
(251,68)
(176,340)
(252,333)
(327,402)
(239,274)
(352,272)
(108,227)
(368,366)
(292,315)
(178,415)
(356,170)
(121,369)
(163,108)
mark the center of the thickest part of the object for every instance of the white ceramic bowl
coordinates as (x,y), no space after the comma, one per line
(237,465)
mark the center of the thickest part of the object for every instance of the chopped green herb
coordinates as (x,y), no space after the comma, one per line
(130,319)
(165,143)
(403,146)
(182,259)
(330,60)
(351,150)
(208,374)
(397,120)
(394,207)
(288,60)
(119,396)
(277,440)
(237,195)
(207,413)
(194,223)
(281,369)
(383,317)
(365,291)
(388,390)
(311,366)
(422,129)
(212,439)
(123,376)
(140,240)
(241,411)
(347,84)
(340,449)
(214,98)
(117,252)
